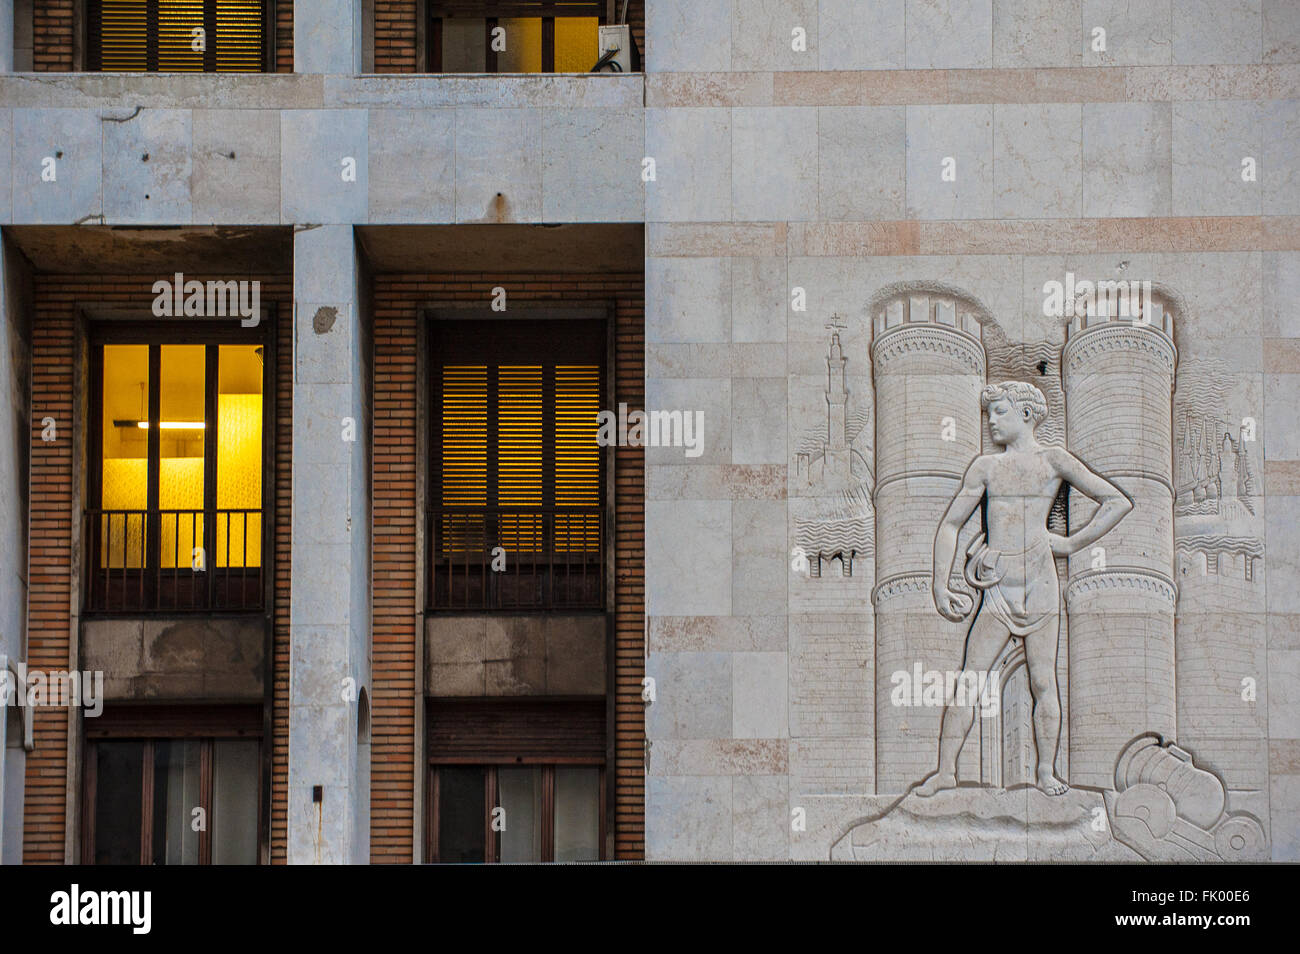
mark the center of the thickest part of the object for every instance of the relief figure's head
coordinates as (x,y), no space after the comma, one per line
(1014,407)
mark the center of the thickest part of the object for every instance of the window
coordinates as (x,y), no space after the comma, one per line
(492,813)
(517,476)
(516,780)
(514,36)
(177,485)
(179,36)
(171,801)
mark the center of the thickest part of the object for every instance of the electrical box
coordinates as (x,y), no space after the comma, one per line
(617,38)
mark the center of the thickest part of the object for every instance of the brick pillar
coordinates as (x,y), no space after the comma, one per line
(928,365)
(330,602)
(1119,377)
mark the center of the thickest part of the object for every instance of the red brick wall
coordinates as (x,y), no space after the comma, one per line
(52,529)
(52,36)
(397,300)
(395,25)
(284,36)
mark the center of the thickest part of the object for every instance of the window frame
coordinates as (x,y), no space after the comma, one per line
(491,801)
(490,11)
(150,726)
(91,10)
(157,334)
(601,316)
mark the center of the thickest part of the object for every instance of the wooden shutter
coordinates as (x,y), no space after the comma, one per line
(241,36)
(516,731)
(149,35)
(119,32)
(514,423)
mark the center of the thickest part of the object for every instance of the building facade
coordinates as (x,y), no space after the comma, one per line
(435,451)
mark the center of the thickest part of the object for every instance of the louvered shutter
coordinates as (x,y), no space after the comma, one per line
(160,35)
(518,438)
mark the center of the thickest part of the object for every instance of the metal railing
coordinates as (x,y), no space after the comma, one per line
(515,559)
(143,561)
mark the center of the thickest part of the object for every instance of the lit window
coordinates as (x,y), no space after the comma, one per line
(514,36)
(177,515)
(180,36)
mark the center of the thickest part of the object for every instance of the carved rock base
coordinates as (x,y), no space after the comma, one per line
(987,824)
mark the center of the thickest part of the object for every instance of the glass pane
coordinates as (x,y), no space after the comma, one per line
(180,487)
(234,802)
(461,817)
(464,49)
(125,458)
(175,796)
(577,46)
(523,52)
(519,793)
(577,813)
(118,787)
(239,456)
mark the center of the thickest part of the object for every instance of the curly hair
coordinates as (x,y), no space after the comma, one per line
(1020,394)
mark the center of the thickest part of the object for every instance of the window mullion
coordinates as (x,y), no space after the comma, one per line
(211,371)
(152,36)
(210,36)
(547,821)
(491,848)
(205,800)
(153,519)
(146,803)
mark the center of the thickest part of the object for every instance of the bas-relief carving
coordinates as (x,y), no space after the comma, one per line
(1012,566)
(1215,476)
(833,462)
(1218,525)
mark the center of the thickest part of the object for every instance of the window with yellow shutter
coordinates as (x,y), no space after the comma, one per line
(516,473)
(179,36)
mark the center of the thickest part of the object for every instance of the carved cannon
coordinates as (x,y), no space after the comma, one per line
(1167,809)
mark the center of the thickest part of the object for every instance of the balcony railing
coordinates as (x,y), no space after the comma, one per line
(497,559)
(141,561)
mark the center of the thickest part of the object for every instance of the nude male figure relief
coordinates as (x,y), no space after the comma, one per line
(1012,566)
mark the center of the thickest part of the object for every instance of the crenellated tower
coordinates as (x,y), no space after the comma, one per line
(1118,380)
(928,368)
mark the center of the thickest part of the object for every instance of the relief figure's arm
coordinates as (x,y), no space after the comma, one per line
(1113,503)
(963,504)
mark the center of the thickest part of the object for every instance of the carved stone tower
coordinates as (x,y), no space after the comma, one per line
(928,368)
(1119,376)
(838,463)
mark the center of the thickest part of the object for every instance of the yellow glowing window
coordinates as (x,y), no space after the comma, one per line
(513,36)
(184,36)
(181,456)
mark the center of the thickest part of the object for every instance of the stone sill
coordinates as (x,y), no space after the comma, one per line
(319,91)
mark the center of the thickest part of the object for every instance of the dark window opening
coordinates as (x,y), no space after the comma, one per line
(517,515)
(180,36)
(172,801)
